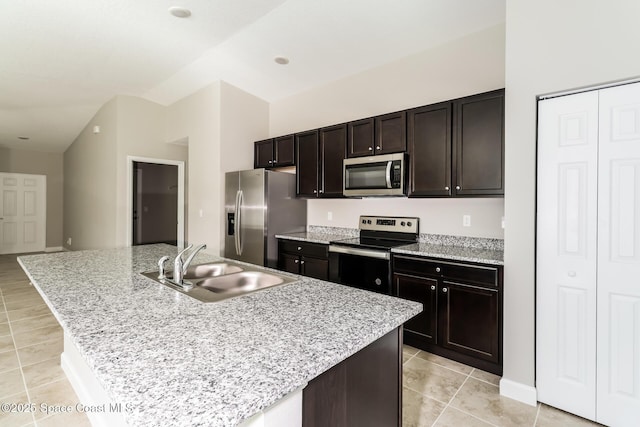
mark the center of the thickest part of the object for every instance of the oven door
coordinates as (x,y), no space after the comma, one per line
(361,268)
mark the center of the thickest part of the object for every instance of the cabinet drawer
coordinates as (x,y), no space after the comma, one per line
(451,270)
(317,250)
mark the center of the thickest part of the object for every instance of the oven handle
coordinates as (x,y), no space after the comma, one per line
(360,252)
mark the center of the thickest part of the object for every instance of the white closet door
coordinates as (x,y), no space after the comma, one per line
(22,213)
(566,253)
(619,257)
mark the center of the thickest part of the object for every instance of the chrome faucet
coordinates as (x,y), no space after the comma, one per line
(180,266)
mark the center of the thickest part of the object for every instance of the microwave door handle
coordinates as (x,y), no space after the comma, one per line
(388,174)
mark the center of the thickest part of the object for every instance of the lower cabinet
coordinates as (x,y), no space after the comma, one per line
(462,315)
(307,259)
(364,390)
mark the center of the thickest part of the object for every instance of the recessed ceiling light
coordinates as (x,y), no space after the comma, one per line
(24,138)
(179,12)
(281,60)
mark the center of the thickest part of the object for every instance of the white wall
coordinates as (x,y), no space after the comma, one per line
(466,66)
(550,46)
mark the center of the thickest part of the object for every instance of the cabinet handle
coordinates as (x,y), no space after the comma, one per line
(299,248)
(370,148)
(315,191)
(296,261)
(270,161)
(301,262)
(321,191)
(438,270)
(377,147)
(433,287)
(457,187)
(446,188)
(275,161)
(444,290)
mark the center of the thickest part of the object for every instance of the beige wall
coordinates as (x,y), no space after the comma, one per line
(551,46)
(90,183)
(466,66)
(40,163)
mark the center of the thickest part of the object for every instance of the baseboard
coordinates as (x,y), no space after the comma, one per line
(55,249)
(517,391)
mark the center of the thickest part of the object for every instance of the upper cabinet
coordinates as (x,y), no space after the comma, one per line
(479,145)
(319,161)
(274,152)
(377,135)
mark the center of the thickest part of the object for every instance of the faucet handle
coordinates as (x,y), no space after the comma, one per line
(161,272)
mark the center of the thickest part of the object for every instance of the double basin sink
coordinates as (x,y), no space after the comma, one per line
(220,280)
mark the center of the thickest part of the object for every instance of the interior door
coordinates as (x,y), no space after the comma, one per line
(22,213)
(566,253)
(618,368)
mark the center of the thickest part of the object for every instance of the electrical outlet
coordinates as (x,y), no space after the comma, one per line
(69,241)
(330,216)
(466,220)
(502,222)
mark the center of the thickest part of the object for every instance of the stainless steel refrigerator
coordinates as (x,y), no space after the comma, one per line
(258,205)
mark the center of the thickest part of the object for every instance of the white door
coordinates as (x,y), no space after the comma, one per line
(22,213)
(566,253)
(618,368)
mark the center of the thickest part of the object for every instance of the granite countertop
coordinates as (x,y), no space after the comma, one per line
(454,253)
(312,237)
(177,361)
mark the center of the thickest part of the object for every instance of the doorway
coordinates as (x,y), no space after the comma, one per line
(23,213)
(156,202)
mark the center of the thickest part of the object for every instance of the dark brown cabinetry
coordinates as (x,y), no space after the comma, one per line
(429,146)
(274,152)
(319,161)
(362,391)
(479,145)
(378,135)
(308,259)
(462,317)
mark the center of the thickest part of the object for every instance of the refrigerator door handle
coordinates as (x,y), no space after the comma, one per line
(236,224)
(239,203)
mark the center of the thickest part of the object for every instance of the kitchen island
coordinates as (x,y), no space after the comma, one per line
(171,360)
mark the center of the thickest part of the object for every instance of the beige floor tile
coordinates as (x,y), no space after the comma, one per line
(17,418)
(483,400)
(11,383)
(548,416)
(36,336)
(453,418)
(405,357)
(33,323)
(447,363)
(36,310)
(3,314)
(9,361)
(55,393)
(418,410)
(20,303)
(19,293)
(409,350)
(9,285)
(4,329)
(6,343)
(42,373)
(432,380)
(75,419)
(482,375)
(41,352)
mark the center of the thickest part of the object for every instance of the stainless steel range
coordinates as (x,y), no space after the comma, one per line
(365,261)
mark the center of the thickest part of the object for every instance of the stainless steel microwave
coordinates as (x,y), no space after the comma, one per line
(382,175)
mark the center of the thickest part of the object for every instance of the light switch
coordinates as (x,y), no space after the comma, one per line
(330,216)
(466,220)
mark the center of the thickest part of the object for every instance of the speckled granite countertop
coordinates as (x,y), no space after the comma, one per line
(178,361)
(454,253)
(318,234)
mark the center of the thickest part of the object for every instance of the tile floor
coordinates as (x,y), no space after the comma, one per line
(437,391)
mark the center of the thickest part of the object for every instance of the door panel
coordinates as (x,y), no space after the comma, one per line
(333,145)
(22,213)
(618,369)
(231,187)
(425,291)
(566,253)
(252,216)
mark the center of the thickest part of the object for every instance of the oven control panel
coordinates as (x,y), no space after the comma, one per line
(389,223)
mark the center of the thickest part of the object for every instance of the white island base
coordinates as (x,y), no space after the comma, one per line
(102,412)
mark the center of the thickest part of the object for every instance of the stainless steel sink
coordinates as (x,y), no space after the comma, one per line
(208,270)
(217,281)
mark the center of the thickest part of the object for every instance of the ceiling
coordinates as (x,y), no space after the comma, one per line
(61,61)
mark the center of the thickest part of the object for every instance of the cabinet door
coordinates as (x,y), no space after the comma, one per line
(360,138)
(479,144)
(391,133)
(333,145)
(425,291)
(307,164)
(289,263)
(284,151)
(263,154)
(469,320)
(429,144)
(315,267)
